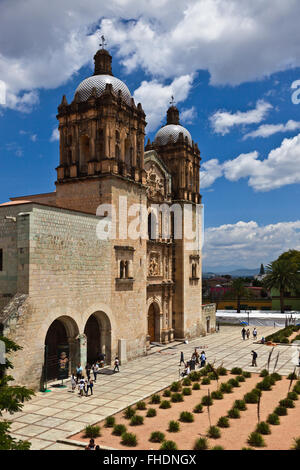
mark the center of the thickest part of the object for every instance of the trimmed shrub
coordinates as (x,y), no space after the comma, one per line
(273,419)
(226,388)
(240,378)
(168,445)
(129,439)
(281,411)
(234,413)
(213,376)
(251,397)
(236,371)
(196,386)
(221,371)
(214,432)
(186,391)
(167,393)
(265,385)
(217,448)
(292,376)
(119,429)
(207,400)
(205,381)
(292,395)
(264,373)
(155,399)
(263,428)
(186,382)
(233,382)
(175,387)
(109,422)
(217,395)
(165,404)
(198,408)
(276,376)
(151,413)
(129,412)
(194,376)
(201,444)
(240,405)
(186,417)
(246,374)
(296,445)
(157,436)
(136,420)
(92,431)
(176,397)
(223,422)
(256,440)
(247,448)
(297,388)
(287,403)
(174,426)
(141,405)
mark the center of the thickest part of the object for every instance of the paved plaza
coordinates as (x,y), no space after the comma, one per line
(50,417)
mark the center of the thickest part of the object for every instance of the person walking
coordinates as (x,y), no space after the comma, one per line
(73,383)
(81,387)
(117,362)
(95,369)
(202,359)
(248,333)
(254,333)
(244,333)
(78,373)
(254,357)
(181,359)
(89,386)
(88,371)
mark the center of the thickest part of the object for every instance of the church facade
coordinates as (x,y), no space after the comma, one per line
(61,284)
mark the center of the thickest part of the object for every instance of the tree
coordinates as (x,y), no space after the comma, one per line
(239,291)
(282,275)
(11,400)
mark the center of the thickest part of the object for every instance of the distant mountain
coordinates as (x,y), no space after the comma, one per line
(240,272)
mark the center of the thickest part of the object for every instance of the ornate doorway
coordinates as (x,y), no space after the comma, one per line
(154,323)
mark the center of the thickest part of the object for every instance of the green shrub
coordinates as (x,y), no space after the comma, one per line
(129,412)
(205,381)
(168,445)
(151,413)
(233,382)
(223,422)
(264,385)
(276,376)
(186,417)
(194,376)
(155,399)
(251,397)
(206,400)
(281,411)
(119,429)
(196,386)
(165,404)
(221,370)
(240,405)
(296,445)
(174,426)
(201,444)
(292,395)
(92,431)
(176,397)
(129,439)
(109,422)
(256,440)
(175,387)
(246,374)
(198,408)
(292,376)
(136,420)
(247,448)
(213,376)
(217,395)
(141,405)
(297,388)
(217,448)
(186,382)
(273,419)
(157,436)
(236,371)
(263,428)
(167,393)
(240,378)
(214,432)
(234,413)
(264,373)
(287,403)
(226,388)
(186,391)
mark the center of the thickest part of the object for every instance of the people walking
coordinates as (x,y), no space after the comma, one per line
(78,373)
(117,362)
(89,386)
(181,359)
(254,357)
(81,387)
(244,333)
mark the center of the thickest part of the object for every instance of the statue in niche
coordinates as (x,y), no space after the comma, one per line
(153,269)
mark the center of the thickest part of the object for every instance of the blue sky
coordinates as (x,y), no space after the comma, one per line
(250,182)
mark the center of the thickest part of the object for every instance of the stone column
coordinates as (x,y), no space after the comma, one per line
(82,349)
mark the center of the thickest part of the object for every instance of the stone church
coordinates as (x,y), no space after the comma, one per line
(62,285)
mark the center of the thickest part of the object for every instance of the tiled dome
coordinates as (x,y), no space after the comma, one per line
(99,82)
(172,131)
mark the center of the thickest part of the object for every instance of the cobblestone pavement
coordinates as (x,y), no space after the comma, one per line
(54,416)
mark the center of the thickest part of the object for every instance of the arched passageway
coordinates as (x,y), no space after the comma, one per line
(154,322)
(98,334)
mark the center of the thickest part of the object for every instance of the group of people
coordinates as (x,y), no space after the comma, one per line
(197,358)
(246,333)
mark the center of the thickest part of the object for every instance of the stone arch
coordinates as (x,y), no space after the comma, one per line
(154,321)
(98,333)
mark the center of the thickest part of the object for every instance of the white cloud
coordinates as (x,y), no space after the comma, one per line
(155,97)
(266,130)
(280,168)
(247,244)
(55,135)
(188,116)
(223,121)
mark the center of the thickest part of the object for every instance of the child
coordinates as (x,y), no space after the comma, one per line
(73,383)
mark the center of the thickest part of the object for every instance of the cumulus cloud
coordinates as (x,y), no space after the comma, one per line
(236,40)
(223,121)
(210,171)
(188,116)
(55,135)
(266,130)
(247,244)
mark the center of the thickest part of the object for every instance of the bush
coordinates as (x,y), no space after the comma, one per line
(221,371)
(297,388)
(264,373)
(151,413)
(217,448)
(196,386)
(168,445)
(240,378)
(198,408)
(136,420)
(206,400)
(92,431)
(236,371)
(273,419)
(157,436)
(167,393)
(109,422)
(205,381)
(246,374)
(186,417)
(186,391)
(292,376)
(276,376)
(119,429)
(287,403)
(165,404)
(176,397)
(240,405)
(141,405)
(264,385)
(175,387)
(214,432)
(174,426)
(194,376)
(233,382)
(251,397)
(292,395)
(281,411)
(155,399)
(186,382)
(256,440)
(213,376)
(217,395)
(296,445)
(234,413)
(226,388)
(129,412)
(263,428)
(223,422)
(129,439)
(201,444)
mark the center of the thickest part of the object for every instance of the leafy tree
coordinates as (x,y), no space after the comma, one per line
(283,275)
(11,400)
(239,291)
